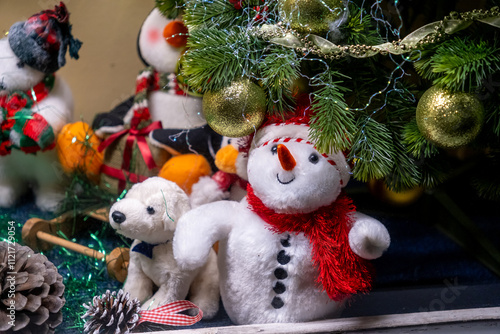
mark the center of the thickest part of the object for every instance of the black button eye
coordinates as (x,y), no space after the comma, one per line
(274,149)
(150,210)
(20,64)
(229,141)
(313,158)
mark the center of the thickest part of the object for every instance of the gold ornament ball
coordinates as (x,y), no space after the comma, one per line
(379,189)
(237,110)
(449,119)
(311,16)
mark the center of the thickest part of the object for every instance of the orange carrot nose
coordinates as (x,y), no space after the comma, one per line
(176,33)
(286,158)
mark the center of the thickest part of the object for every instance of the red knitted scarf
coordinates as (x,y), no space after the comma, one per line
(341,272)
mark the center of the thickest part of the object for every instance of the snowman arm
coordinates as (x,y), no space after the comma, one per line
(199,229)
(368,238)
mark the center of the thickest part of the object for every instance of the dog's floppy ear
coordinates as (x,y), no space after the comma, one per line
(176,202)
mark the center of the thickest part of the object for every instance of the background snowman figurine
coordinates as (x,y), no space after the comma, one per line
(34,105)
(161,96)
(295,249)
(231,180)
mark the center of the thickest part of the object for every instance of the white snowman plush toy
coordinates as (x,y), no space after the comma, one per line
(149,214)
(295,248)
(160,96)
(34,106)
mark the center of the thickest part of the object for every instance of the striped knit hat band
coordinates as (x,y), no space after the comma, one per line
(297,130)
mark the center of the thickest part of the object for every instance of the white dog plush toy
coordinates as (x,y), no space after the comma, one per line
(295,249)
(149,214)
(34,105)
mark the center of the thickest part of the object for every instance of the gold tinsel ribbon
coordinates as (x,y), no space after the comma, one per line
(427,34)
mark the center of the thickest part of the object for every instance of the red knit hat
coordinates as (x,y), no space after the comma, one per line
(41,41)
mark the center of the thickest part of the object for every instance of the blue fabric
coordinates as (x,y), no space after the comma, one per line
(145,249)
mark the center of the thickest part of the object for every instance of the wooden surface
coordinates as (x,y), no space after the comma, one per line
(439,320)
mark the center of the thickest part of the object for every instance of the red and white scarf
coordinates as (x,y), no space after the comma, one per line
(341,271)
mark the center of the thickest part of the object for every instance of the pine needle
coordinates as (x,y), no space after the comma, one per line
(279,69)
(214,14)
(333,124)
(415,142)
(372,150)
(460,64)
(360,28)
(170,8)
(215,58)
(405,174)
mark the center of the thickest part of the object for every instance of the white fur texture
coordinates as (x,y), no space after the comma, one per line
(309,186)
(42,171)
(13,77)
(247,261)
(156,225)
(174,111)
(368,238)
(19,171)
(206,190)
(248,250)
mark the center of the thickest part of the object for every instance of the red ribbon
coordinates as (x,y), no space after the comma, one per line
(122,175)
(133,136)
(169,314)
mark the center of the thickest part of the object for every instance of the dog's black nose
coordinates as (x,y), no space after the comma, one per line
(118,217)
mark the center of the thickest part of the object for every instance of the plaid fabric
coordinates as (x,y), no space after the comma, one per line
(43,39)
(169,314)
(17,115)
(39,27)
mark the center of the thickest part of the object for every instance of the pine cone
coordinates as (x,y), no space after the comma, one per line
(31,290)
(112,313)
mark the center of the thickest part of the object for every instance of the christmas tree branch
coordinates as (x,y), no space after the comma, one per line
(460,64)
(170,8)
(278,70)
(333,124)
(216,58)
(360,29)
(415,142)
(405,173)
(219,14)
(372,150)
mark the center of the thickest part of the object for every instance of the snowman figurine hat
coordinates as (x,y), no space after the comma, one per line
(41,41)
(318,178)
(296,129)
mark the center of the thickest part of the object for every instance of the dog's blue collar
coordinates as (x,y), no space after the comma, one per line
(145,248)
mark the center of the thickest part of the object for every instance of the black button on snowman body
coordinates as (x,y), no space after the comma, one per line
(281,274)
